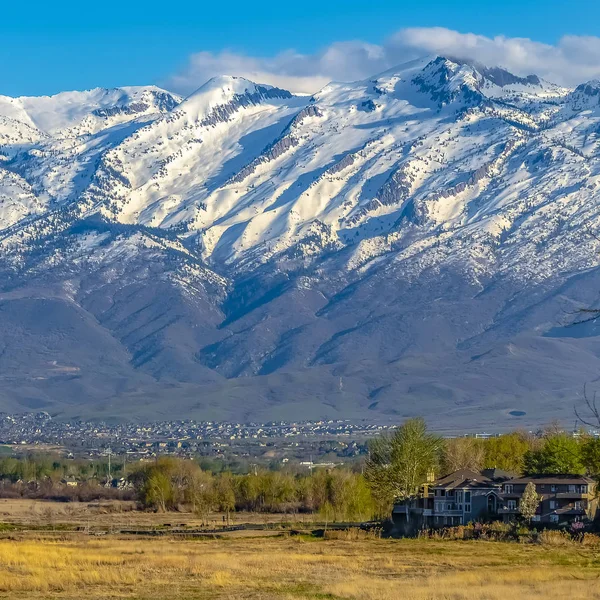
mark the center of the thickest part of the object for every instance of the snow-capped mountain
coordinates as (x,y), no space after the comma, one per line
(415,243)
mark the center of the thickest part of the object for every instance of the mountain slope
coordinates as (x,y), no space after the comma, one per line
(415,243)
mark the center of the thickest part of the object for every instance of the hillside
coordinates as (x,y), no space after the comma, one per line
(415,243)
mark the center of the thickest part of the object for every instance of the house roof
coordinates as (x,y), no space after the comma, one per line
(465,478)
(498,474)
(553,479)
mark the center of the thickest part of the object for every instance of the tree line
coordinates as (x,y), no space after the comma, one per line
(337,494)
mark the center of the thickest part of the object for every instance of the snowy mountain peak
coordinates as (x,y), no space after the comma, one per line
(591,89)
(88,109)
(447,81)
(229,93)
(230,84)
(450,81)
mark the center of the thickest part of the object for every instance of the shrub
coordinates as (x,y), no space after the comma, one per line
(551,537)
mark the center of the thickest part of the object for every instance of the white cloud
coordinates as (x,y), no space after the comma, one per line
(572,60)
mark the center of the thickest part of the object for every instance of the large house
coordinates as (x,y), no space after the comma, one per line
(563,498)
(455,499)
(466,495)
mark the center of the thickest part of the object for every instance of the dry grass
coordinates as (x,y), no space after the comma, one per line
(293,568)
(115,513)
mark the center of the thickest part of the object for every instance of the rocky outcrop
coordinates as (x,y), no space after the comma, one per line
(286,141)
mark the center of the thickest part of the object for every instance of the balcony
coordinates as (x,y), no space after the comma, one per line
(448,513)
(570,511)
(570,495)
(402,509)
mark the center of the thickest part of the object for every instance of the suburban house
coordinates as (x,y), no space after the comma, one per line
(563,498)
(455,499)
(466,495)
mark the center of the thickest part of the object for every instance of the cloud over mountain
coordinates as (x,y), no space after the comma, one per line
(572,60)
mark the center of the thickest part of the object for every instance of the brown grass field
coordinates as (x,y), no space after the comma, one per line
(113,513)
(291,568)
(39,560)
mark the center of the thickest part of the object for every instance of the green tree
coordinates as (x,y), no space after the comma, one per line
(399,463)
(225,494)
(159,491)
(199,492)
(248,492)
(530,500)
(163,484)
(507,452)
(560,453)
(350,497)
(590,456)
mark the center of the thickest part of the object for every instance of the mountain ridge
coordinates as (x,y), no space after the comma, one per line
(391,246)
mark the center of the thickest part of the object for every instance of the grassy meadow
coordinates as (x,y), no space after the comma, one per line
(293,567)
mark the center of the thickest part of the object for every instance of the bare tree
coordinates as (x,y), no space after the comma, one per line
(463,453)
(589,414)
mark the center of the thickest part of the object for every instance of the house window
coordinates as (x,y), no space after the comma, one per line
(442,492)
(536,518)
(572,489)
(467,508)
(578,505)
(459,496)
(584,489)
(467,496)
(553,504)
(553,518)
(511,504)
(553,488)
(508,488)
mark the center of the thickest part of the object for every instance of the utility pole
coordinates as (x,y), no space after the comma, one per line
(109,453)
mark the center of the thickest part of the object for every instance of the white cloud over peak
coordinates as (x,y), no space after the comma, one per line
(572,60)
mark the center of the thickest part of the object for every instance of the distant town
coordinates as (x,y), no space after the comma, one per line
(300,442)
(308,444)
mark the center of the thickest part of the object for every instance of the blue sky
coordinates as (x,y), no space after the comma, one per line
(52,46)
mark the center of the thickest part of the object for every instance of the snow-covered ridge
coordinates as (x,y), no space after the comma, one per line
(51,114)
(247,173)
